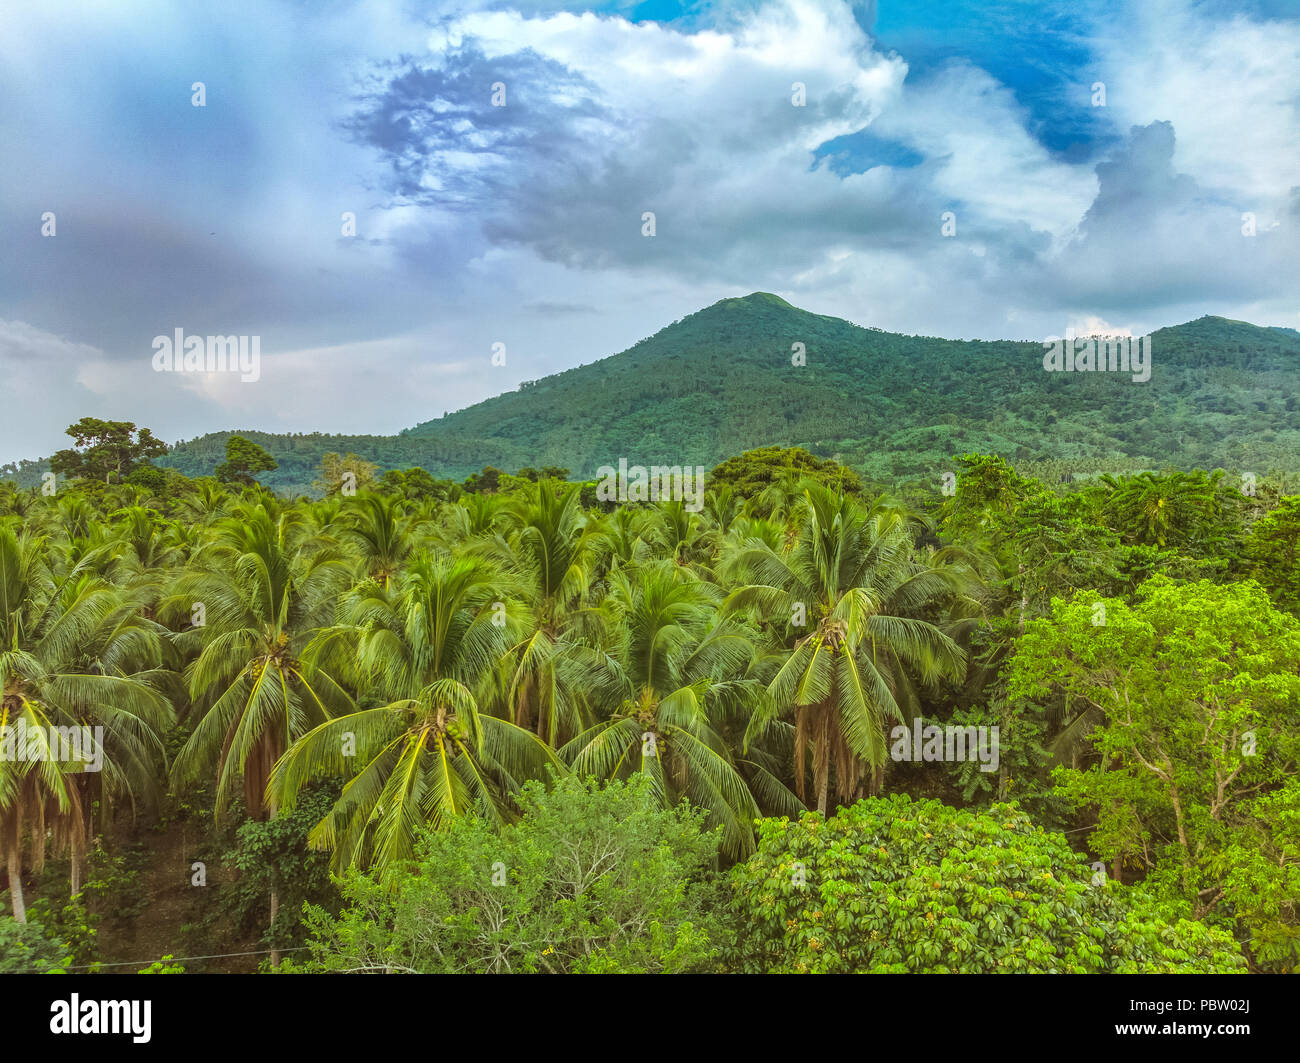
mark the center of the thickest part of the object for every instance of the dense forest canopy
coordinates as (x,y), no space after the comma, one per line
(357,699)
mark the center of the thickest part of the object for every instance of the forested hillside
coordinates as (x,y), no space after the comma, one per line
(722,381)
(1222,394)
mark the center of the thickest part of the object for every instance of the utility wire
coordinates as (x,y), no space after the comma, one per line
(178,959)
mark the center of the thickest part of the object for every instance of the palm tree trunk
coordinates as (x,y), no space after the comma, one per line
(275,895)
(38,839)
(275,909)
(80,835)
(823,763)
(822,754)
(14,865)
(78,863)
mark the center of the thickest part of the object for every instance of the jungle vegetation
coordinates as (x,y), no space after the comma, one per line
(581,737)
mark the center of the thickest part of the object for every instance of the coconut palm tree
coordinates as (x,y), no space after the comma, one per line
(671,678)
(723,506)
(621,539)
(376,529)
(680,534)
(1154,508)
(549,550)
(853,601)
(204,503)
(74,652)
(262,587)
(421,753)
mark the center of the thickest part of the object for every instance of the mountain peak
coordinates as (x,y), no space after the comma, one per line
(722,380)
(754,299)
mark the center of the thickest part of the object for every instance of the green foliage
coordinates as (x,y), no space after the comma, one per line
(756,471)
(851,600)
(891,407)
(1273,553)
(546,472)
(425,753)
(167,965)
(1259,868)
(150,477)
(1193,513)
(106,451)
(26,948)
(666,684)
(895,885)
(244,460)
(1023,756)
(591,879)
(417,485)
(272,856)
(70,923)
(112,888)
(344,473)
(485,482)
(1042,543)
(1196,703)
(382,664)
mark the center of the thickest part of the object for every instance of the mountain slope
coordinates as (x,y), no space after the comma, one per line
(721,381)
(1221,394)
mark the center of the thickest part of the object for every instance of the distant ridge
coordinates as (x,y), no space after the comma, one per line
(1223,394)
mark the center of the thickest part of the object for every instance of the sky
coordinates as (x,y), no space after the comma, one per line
(1118,166)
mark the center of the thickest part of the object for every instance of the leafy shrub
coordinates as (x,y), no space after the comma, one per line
(113,889)
(590,879)
(72,926)
(896,885)
(273,855)
(27,948)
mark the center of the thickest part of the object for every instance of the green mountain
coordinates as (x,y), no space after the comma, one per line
(722,381)
(1222,394)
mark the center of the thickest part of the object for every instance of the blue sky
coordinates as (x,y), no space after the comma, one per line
(522,224)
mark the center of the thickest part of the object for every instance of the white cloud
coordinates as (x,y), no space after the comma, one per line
(1228,85)
(233,225)
(48,383)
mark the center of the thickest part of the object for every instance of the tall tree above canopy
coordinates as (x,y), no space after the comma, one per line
(755,472)
(244,460)
(106,450)
(344,474)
